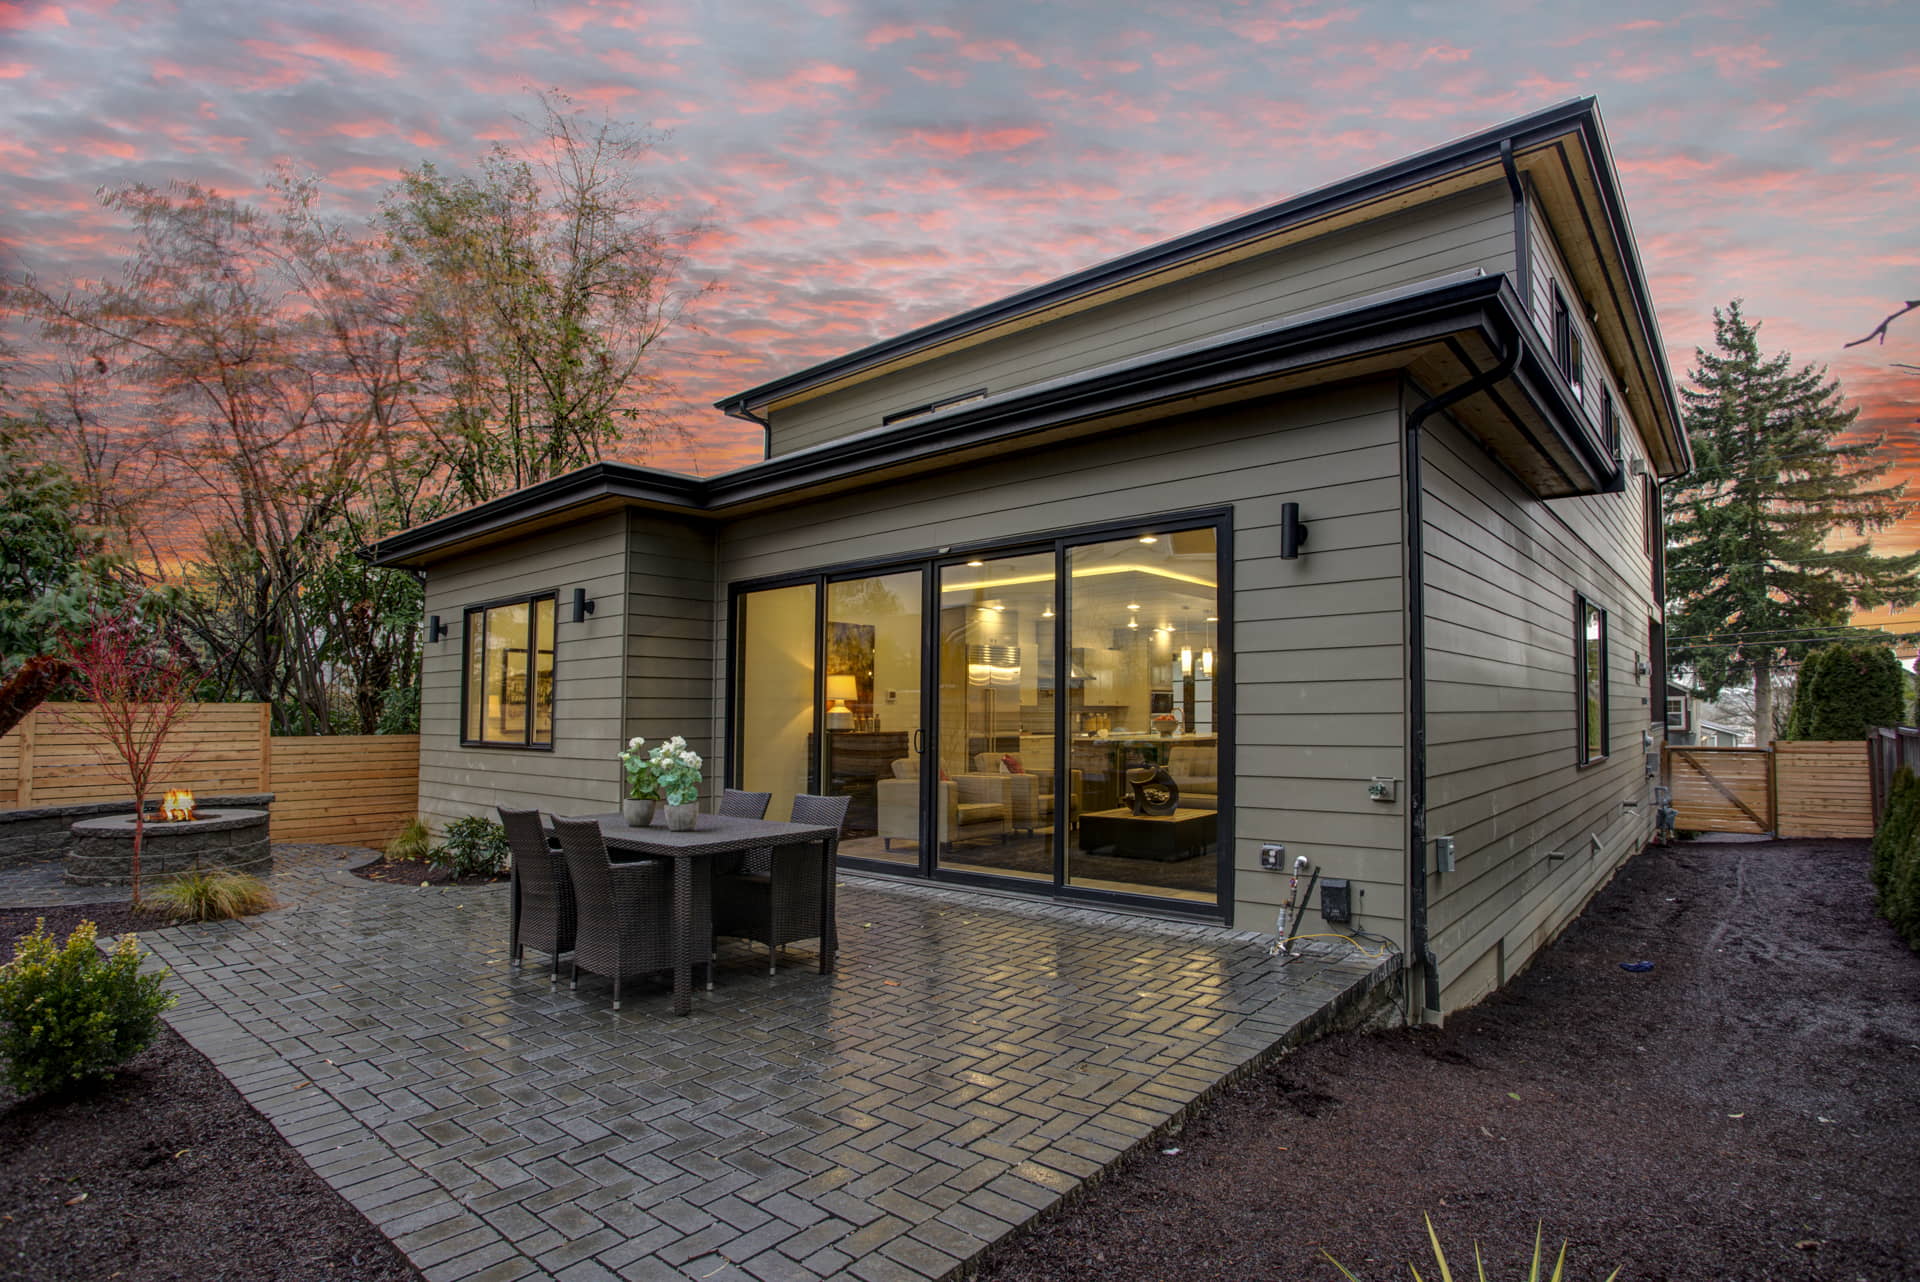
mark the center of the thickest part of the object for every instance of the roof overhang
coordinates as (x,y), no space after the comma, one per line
(1561,149)
(1438,334)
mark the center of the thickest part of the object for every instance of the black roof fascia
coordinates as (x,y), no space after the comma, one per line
(1251,354)
(1462,153)
(570,489)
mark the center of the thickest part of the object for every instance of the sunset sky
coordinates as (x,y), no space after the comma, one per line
(868,167)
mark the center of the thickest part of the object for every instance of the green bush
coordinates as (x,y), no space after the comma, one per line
(414,841)
(1480,1267)
(70,1015)
(214,894)
(474,846)
(1843,691)
(1896,858)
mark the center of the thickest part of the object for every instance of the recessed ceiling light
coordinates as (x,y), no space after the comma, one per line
(1149,538)
(976,564)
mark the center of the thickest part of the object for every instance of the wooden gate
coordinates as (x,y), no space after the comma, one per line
(1721,789)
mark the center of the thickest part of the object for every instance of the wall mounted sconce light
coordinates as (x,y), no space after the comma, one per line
(436,629)
(1293,531)
(581,606)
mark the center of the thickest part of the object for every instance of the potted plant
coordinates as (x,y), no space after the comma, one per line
(636,808)
(676,773)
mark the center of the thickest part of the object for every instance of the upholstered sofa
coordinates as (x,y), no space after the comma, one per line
(967,806)
(1030,790)
(1196,768)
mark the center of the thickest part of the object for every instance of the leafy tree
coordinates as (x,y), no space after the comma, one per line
(1846,690)
(1753,579)
(539,290)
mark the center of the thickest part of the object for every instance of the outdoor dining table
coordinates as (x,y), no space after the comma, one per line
(718,835)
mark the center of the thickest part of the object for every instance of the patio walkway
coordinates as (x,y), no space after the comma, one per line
(975,1060)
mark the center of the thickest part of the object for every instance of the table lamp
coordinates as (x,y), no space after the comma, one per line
(840,688)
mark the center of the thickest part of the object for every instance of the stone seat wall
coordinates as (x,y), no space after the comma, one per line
(38,834)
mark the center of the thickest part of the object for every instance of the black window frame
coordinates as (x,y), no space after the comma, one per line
(1582,678)
(470,634)
(1567,347)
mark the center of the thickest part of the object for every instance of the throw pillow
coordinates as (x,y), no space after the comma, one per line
(1010,765)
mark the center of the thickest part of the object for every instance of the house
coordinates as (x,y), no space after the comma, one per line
(1696,722)
(1344,513)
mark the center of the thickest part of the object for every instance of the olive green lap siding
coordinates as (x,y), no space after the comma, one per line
(1472,229)
(670,685)
(1318,640)
(1502,569)
(579,774)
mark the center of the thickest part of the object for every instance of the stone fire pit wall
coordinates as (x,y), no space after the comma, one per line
(36,834)
(102,851)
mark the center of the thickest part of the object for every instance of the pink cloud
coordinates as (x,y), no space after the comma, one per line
(968,141)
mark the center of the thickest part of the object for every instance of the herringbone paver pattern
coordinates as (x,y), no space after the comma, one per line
(973,1061)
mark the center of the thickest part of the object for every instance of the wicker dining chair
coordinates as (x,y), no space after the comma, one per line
(542,909)
(625,925)
(745,805)
(775,898)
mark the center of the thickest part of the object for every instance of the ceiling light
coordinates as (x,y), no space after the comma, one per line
(1047,613)
(1133,605)
(1213,618)
(1133,623)
(976,564)
(1149,538)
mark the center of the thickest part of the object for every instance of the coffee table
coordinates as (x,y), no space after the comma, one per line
(1180,835)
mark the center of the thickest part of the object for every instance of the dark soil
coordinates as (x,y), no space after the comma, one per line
(166,1172)
(411,872)
(1746,1110)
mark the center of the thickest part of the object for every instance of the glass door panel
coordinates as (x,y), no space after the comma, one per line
(872,749)
(774,729)
(1143,635)
(994,808)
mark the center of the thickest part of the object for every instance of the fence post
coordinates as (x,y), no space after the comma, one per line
(266,747)
(1773,787)
(28,723)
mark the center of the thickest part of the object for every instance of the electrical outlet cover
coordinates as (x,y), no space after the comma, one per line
(1336,900)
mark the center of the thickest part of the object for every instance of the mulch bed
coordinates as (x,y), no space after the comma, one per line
(411,872)
(166,1172)
(1745,1110)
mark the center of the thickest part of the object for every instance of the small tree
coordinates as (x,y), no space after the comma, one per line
(1846,690)
(140,686)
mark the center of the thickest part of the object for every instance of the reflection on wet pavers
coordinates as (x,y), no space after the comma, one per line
(974,1060)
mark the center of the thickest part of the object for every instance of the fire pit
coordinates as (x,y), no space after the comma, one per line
(102,849)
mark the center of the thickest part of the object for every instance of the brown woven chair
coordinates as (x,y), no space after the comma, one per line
(625,925)
(775,898)
(541,896)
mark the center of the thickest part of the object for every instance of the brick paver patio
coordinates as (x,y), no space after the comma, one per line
(975,1060)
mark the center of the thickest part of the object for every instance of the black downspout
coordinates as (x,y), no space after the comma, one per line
(1417,661)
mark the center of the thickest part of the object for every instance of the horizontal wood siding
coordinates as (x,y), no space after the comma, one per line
(1824,789)
(670,684)
(1535,833)
(59,759)
(346,790)
(580,774)
(1318,641)
(1472,229)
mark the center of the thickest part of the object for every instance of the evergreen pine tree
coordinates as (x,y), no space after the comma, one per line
(1752,581)
(1846,690)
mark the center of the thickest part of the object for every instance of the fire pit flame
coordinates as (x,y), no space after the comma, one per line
(177,806)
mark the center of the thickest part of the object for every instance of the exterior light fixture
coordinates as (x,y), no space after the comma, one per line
(436,629)
(1293,531)
(581,606)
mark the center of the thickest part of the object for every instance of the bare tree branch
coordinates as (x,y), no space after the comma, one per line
(1879,331)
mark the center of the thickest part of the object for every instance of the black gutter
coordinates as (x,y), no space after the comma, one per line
(1463,153)
(1420,945)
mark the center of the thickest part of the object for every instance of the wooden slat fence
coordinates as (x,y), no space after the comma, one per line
(1888,748)
(1794,789)
(350,790)
(339,789)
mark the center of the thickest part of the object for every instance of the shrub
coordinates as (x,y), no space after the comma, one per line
(414,841)
(69,1014)
(1896,826)
(214,894)
(474,846)
(1843,691)
(1480,1268)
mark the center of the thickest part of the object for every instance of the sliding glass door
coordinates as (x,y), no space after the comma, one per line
(1022,715)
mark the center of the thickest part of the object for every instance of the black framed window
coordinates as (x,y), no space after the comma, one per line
(1590,677)
(1566,343)
(507,686)
(1610,422)
(1657,664)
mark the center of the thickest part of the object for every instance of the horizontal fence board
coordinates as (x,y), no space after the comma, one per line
(1745,773)
(334,790)
(1802,789)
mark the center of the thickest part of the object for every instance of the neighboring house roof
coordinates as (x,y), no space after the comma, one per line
(1433,330)
(1562,149)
